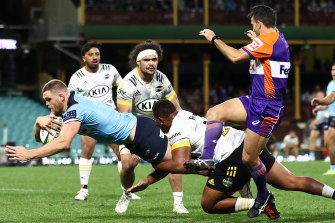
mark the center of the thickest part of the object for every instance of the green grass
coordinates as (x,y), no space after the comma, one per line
(46,194)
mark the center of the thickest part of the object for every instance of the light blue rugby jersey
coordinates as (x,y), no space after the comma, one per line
(330,89)
(98,120)
(321,114)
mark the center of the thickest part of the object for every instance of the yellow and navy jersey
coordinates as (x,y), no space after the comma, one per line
(269,66)
(133,91)
(98,85)
(188,130)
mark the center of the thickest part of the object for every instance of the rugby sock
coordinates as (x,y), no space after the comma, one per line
(243,204)
(178,197)
(312,154)
(332,167)
(327,191)
(119,166)
(212,135)
(259,175)
(85,167)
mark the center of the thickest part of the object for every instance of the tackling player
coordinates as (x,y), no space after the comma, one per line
(262,109)
(137,93)
(186,132)
(94,80)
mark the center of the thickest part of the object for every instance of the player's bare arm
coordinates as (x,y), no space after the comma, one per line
(57,145)
(321,108)
(234,55)
(124,108)
(324,101)
(175,102)
(47,122)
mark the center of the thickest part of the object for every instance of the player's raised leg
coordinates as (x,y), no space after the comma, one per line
(85,165)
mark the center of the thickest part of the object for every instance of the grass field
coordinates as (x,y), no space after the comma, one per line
(46,194)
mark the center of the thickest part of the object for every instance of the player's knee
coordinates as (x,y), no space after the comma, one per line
(128,163)
(248,161)
(206,206)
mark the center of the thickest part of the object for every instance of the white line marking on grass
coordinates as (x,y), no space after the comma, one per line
(20,189)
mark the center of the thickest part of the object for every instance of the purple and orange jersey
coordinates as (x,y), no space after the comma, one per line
(269,66)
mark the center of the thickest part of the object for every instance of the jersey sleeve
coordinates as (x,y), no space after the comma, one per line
(330,87)
(178,138)
(73,83)
(169,91)
(261,46)
(117,77)
(125,93)
(73,114)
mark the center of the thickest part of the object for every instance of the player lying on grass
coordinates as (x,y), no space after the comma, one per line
(186,135)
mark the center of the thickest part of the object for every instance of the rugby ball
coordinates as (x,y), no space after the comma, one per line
(46,137)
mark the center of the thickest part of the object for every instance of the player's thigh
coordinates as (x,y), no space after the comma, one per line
(280,177)
(231,110)
(211,197)
(330,139)
(314,134)
(116,151)
(87,145)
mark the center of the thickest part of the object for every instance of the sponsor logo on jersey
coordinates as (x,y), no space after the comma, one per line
(159,88)
(225,131)
(69,115)
(107,76)
(175,135)
(146,105)
(211,182)
(137,93)
(231,171)
(227,182)
(150,156)
(255,122)
(256,43)
(98,91)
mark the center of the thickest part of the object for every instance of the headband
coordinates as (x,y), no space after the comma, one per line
(145,53)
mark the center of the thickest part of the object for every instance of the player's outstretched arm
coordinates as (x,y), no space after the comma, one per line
(57,145)
(324,101)
(155,176)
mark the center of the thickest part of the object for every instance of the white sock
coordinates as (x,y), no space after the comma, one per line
(243,204)
(119,166)
(327,191)
(178,197)
(85,167)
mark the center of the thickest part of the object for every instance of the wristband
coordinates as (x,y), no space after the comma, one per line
(214,38)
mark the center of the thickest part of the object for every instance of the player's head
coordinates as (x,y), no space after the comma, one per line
(262,14)
(320,94)
(163,111)
(145,56)
(90,54)
(55,94)
(333,71)
(293,133)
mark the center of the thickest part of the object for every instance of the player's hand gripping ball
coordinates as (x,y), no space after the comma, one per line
(46,137)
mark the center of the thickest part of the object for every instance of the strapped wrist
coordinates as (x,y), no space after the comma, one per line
(214,38)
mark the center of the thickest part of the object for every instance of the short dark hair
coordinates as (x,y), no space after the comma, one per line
(148,44)
(87,46)
(54,86)
(163,108)
(264,14)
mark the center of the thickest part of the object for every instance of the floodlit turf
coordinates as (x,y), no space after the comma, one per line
(46,194)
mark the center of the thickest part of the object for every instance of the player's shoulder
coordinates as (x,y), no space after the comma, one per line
(131,79)
(269,38)
(107,67)
(159,76)
(79,73)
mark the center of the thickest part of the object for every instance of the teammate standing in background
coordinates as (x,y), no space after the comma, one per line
(262,109)
(329,100)
(94,80)
(137,93)
(318,126)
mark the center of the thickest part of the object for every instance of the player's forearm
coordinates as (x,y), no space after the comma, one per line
(328,100)
(229,52)
(155,176)
(37,129)
(55,146)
